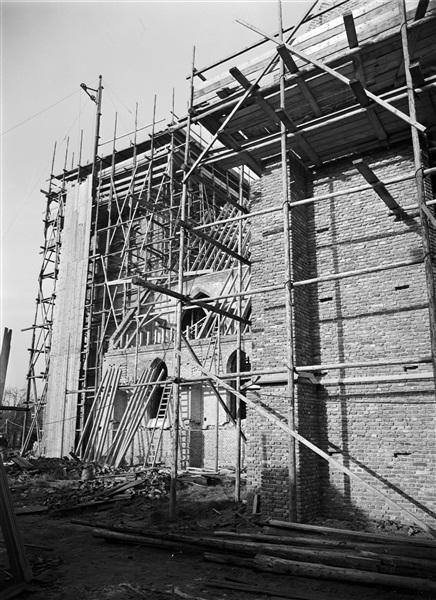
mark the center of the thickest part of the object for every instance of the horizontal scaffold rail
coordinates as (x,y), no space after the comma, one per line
(320,279)
(330,195)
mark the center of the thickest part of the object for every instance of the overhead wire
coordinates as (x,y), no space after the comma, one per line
(39,113)
(28,195)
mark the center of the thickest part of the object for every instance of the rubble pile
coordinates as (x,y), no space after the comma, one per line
(64,484)
(151,484)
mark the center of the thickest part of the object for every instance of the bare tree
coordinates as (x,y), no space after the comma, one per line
(12,422)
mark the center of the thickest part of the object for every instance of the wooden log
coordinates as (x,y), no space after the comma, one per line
(30,510)
(316,571)
(172,541)
(228,559)
(356,535)
(140,540)
(306,539)
(244,587)
(352,558)
(337,558)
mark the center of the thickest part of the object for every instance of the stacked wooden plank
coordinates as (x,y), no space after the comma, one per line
(133,416)
(95,431)
(306,551)
(60,411)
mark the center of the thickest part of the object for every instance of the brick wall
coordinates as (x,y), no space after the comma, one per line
(384,431)
(268,446)
(198,403)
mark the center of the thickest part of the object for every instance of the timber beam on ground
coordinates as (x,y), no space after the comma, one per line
(271,415)
(186,300)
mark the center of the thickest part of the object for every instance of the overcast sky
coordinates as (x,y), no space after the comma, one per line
(48,49)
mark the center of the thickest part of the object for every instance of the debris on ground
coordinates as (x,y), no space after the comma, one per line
(95,515)
(302,551)
(62,485)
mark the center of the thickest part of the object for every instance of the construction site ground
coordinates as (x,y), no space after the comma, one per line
(69,563)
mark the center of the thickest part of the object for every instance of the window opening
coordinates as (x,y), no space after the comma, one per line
(232,368)
(159,401)
(193,319)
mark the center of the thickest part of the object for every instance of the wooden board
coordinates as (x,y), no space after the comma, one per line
(61,408)
(327,42)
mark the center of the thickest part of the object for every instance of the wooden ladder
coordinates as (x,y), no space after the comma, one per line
(161,418)
(184,433)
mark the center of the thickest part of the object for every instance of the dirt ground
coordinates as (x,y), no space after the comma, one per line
(70,564)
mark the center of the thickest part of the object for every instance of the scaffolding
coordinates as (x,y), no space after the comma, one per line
(171,209)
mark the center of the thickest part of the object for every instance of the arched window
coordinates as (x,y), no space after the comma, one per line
(232,368)
(194,318)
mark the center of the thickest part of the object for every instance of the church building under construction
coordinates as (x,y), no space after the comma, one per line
(260,296)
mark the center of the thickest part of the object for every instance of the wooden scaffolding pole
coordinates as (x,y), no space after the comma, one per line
(238,360)
(288,293)
(179,308)
(421,190)
(87,334)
